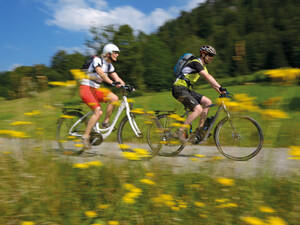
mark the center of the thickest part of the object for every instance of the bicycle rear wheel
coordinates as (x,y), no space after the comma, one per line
(161,138)
(238,137)
(135,143)
(68,138)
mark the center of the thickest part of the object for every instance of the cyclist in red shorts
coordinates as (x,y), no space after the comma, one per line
(100,70)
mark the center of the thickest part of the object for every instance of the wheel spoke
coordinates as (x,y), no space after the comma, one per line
(239,138)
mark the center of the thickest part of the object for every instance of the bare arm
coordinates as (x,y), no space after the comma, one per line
(116,78)
(211,80)
(103,75)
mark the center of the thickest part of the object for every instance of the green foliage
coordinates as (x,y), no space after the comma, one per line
(249,36)
(158,74)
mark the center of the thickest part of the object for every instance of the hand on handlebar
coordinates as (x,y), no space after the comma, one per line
(224,93)
(128,87)
(116,84)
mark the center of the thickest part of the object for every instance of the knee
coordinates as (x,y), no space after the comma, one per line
(98,112)
(197,109)
(207,102)
(114,98)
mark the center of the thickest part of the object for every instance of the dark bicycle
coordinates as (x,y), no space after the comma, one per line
(236,137)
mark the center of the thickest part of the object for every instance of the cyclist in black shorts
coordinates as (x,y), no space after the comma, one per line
(182,88)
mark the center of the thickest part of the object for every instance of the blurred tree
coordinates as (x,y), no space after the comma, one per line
(158,65)
(63,62)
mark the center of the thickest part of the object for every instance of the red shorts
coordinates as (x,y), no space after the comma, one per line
(92,96)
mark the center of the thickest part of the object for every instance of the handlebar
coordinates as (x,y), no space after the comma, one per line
(226,95)
(128,87)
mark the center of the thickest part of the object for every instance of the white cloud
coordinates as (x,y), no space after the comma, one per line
(14,66)
(80,15)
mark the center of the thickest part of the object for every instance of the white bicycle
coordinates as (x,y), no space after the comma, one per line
(131,132)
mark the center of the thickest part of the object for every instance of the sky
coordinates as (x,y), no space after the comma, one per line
(32,31)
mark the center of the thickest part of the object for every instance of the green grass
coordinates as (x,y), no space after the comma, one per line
(280,132)
(44,188)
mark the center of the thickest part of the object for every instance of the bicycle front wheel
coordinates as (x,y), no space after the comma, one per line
(132,136)
(68,133)
(161,138)
(238,137)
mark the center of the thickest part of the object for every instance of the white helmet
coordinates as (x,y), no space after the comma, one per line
(109,48)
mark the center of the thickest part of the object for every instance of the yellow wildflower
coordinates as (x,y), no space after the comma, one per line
(221,200)
(227,205)
(266,209)
(129,186)
(252,220)
(103,206)
(78,145)
(113,222)
(13,133)
(57,83)
(215,158)
(150,174)
(294,152)
(131,155)
(128,200)
(94,163)
(150,112)
(147,181)
(124,146)
(203,215)
(193,159)
(90,214)
(175,208)
(16,123)
(273,220)
(27,223)
(117,103)
(199,155)
(225,181)
(199,204)
(138,111)
(274,113)
(32,113)
(130,100)
(284,74)
(78,74)
(67,116)
(141,152)
(81,165)
(6,152)
(195,186)
(272,101)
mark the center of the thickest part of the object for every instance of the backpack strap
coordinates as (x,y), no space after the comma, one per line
(182,76)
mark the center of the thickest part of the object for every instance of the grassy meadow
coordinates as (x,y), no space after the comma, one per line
(41,186)
(37,115)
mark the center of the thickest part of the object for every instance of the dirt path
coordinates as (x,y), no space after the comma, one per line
(270,160)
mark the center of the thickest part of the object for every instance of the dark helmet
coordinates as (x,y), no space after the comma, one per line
(208,49)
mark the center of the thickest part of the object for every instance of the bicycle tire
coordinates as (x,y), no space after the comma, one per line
(128,140)
(164,142)
(65,141)
(242,144)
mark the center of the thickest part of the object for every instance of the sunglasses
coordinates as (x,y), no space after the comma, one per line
(210,54)
(116,52)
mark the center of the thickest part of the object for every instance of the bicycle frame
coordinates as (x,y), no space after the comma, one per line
(220,108)
(107,131)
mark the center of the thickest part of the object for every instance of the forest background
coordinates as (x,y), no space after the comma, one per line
(249,36)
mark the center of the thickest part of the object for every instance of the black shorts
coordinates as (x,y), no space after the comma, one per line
(186,96)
